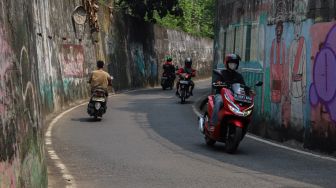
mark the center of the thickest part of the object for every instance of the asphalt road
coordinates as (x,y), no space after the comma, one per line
(147,139)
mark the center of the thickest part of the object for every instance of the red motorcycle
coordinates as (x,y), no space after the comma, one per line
(234,116)
(184,89)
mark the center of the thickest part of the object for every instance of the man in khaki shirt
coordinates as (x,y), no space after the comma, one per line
(99,78)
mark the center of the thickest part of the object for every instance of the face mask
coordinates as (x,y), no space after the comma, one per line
(233,66)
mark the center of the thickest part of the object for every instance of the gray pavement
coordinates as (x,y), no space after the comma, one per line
(147,139)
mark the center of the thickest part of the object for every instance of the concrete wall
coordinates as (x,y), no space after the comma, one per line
(45,58)
(43,68)
(290,45)
(135,50)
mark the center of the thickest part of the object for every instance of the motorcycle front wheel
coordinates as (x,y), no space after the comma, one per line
(183,95)
(234,137)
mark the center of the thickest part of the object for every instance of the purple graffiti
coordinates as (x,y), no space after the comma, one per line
(323,88)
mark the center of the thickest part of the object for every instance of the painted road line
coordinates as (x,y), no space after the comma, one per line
(275,144)
(69,179)
(291,149)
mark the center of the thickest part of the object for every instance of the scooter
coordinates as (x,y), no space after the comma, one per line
(167,81)
(97,105)
(184,89)
(234,117)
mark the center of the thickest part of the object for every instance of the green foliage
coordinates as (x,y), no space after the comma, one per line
(197,19)
(192,16)
(145,9)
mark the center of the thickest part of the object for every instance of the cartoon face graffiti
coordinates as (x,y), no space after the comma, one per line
(323,88)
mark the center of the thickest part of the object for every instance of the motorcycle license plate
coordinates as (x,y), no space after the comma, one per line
(184,82)
(243,98)
(98,99)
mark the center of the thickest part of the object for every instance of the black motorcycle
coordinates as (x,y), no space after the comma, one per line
(167,81)
(97,105)
(184,89)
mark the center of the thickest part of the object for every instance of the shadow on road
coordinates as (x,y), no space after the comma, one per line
(177,123)
(86,119)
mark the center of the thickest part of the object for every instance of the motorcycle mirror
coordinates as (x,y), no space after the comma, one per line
(253,93)
(260,83)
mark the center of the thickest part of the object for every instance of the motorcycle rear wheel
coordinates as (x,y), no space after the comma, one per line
(233,140)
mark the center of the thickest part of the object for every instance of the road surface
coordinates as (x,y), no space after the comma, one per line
(147,139)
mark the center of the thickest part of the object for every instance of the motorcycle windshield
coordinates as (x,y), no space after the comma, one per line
(238,89)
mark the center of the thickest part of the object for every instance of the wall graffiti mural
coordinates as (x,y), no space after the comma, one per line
(298,58)
(323,88)
(18,95)
(72,60)
(279,76)
(297,62)
(7,127)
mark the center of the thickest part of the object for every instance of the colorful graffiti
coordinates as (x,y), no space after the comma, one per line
(279,77)
(323,88)
(7,145)
(297,61)
(72,60)
(298,58)
(18,96)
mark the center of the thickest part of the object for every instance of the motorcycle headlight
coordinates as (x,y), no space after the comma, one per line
(97,105)
(236,111)
(248,112)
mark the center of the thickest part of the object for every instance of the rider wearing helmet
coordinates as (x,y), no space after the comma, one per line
(188,70)
(229,76)
(168,67)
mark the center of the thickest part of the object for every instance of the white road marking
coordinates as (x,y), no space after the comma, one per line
(69,179)
(277,145)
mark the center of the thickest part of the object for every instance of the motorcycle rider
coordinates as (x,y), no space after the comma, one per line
(100,79)
(229,76)
(188,70)
(168,68)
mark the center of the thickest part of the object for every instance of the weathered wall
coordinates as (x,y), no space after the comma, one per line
(291,46)
(45,58)
(135,50)
(42,68)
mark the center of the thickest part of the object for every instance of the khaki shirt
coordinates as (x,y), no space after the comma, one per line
(100,78)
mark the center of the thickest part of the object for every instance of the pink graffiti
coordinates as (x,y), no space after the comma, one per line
(323,88)
(8,176)
(5,65)
(72,60)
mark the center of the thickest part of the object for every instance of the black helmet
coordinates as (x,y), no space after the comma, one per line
(188,62)
(232,58)
(169,58)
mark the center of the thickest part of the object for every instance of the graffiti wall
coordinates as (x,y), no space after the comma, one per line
(136,50)
(47,50)
(43,68)
(291,43)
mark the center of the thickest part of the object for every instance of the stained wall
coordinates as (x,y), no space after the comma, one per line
(48,49)
(290,45)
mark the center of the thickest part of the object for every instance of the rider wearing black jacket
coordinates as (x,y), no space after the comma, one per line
(229,76)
